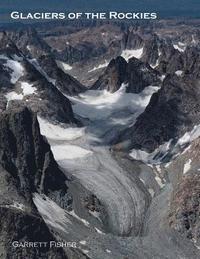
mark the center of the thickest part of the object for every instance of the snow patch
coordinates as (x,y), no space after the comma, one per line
(82,242)
(129,53)
(64,66)
(52,214)
(13,96)
(66,151)
(108,251)
(57,132)
(99,67)
(17,69)
(187,166)
(27,88)
(99,231)
(85,222)
(179,46)
(16,205)
(179,72)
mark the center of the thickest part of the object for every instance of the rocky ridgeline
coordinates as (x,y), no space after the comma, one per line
(27,166)
(134,73)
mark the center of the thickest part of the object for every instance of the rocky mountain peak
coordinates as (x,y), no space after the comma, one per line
(27,157)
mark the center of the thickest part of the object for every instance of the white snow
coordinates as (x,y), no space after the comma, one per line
(17,69)
(189,136)
(163,149)
(99,231)
(64,66)
(52,214)
(27,88)
(85,222)
(82,242)
(57,132)
(149,157)
(13,96)
(66,151)
(105,64)
(179,72)
(179,46)
(85,251)
(28,47)
(95,214)
(162,77)
(187,166)
(129,53)
(16,205)
(100,104)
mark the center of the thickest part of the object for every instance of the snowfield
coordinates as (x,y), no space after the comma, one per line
(94,166)
(129,53)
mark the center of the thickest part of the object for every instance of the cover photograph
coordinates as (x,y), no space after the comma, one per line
(99,129)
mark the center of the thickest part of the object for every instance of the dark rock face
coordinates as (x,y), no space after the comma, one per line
(170,59)
(185,207)
(26,166)
(7,47)
(66,83)
(140,75)
(29,42)
(135,74)
(26,155)
(172,111)
(133,40)
(25,227)
(46,95)
(185,198)
(151,50)
(192,61)
(113,77)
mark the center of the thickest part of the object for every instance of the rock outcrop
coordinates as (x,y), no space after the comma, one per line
(27,166)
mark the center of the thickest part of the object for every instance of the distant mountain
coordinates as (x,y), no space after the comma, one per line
(166,8)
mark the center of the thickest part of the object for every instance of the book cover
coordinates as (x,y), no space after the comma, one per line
(99,129)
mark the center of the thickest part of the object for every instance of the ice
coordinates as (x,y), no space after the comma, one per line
(166,148)
(95,214)
(82,242)
(189,136)
(99,231)
(179,72)
(27,88)
(129,53)
(100,104)
(149,157)
(17,69)
(180,46)
(85,222)
(13,96)
(52,214)
(28,47)
(85,251)
(187,166)
(67,151)
(64,66)
(105,64)
(16,205)
(57,132)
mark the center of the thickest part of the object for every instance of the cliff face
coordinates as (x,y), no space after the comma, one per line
(27,166)
(135,74)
